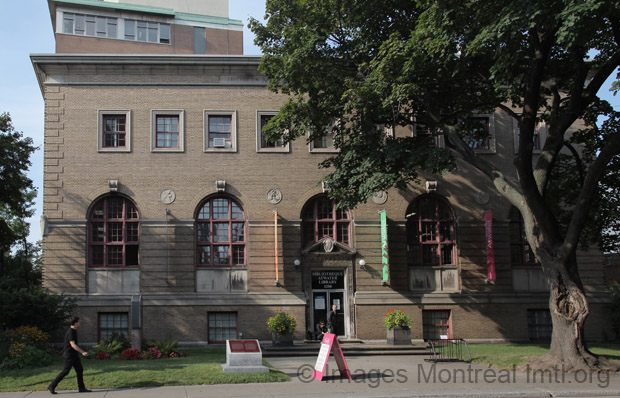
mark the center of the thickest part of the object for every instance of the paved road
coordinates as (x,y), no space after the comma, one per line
(383,376)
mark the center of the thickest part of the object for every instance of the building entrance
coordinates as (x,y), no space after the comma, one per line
(328,288)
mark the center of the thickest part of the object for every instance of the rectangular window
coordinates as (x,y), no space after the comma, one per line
(539,325)
(436,324)
(323,144)
(112,322)
(167,131)
(220,131)
(538,137)
(200,41)
(264,144)
(90,25)
(114,132)
(222,326)
(477,133)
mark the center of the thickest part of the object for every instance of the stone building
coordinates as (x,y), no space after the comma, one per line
(167,212)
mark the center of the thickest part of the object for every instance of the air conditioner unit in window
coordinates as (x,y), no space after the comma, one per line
(219,143)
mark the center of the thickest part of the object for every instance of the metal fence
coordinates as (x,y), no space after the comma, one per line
(449,350)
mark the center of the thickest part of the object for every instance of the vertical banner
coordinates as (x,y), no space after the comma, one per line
(385,260)
(275,237)
(488,233)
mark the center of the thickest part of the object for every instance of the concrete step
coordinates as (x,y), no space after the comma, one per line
(348,348)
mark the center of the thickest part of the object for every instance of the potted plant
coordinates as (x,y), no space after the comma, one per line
(282,325)
(397,324)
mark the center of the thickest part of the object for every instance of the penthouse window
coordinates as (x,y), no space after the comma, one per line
(114,233)
(90,25)
(220,233)
(114,131)
(151,32)
(167,131)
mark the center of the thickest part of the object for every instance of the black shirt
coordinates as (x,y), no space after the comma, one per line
(70,336)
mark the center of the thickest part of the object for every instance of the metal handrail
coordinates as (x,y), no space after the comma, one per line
(448,350)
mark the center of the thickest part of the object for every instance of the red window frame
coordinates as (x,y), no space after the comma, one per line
(217,234)
(226,134)
(520,252)
(212,325)
(321,218)
(119,321)
(431,235)
(539,324)
(434,322)
(114,233)
(164,131)
(113,135)
(264,143)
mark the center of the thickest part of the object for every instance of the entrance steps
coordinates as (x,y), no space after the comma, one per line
(349,347)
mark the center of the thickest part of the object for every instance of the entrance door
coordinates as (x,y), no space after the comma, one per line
(328,290)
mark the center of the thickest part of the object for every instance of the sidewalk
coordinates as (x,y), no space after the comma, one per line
(383,376)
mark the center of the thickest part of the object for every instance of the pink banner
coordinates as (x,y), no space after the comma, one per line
(330,343)
(488,232)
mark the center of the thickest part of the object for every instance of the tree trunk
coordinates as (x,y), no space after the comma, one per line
(569,310)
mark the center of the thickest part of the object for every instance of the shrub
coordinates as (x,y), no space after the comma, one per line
(25,355)
(31,335)
(396,318)
(166,346)
(614,287)
(112,345)
(25,346)
(153,353)
(282,323)
(131,354)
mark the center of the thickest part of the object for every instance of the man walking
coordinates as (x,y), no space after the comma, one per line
(71,353)
(331,320)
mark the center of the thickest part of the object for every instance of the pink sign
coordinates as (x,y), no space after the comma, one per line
(488,232)
(330,342)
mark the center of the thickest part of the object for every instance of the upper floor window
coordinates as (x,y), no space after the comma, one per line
(430,232)
(479,133)
(424,132)
(220,233)
(152,32)
(220,131)
(538,137)
(321,218)
(520,251)
(90,25)
(167,134)
(114,233)
(114,133)
(264,144)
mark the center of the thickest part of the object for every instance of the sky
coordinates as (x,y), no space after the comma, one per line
(27,29)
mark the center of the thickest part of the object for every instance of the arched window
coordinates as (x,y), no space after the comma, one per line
(430,232)
(520,251)
(114,233)
(321,218)
(220,233)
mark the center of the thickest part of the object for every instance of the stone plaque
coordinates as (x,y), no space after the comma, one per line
(380,197)
(274,196)
(482,198)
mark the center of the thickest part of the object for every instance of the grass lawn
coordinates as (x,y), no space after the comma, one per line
(199,367)
(507,355)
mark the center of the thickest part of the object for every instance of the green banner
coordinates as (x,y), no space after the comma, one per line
(385,260)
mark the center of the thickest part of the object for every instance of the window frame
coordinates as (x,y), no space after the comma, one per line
(435,326)
(71,15)
(99,328)
(233,130)
(539,138)
(316,221)
(230,243)
(259,135)
(534,329)
(101,115)
(209,327)
(105,243)
(492,146)
(155,113)
(418,131)
(414,207)
(516,220)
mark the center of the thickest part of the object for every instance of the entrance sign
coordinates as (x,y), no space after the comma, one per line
(488,231)
(385,259)
(328,279)
(330,343)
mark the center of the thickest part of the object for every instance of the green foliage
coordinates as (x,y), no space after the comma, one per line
(26,356)
(25,346)
(614,288)
(166,346)
(282,323)
(396,318)
(113,344)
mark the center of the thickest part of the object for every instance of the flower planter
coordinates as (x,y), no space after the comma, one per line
(399,335)
(282,340)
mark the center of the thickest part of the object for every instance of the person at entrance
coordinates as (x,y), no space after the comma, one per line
(319,330)
(331,320)
(71,353)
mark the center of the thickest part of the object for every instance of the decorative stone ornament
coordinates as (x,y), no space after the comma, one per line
(431,186)
(113,185)
(482,198)
(220,185)
(274,196)
(328,245)
(167,196)
(380,197)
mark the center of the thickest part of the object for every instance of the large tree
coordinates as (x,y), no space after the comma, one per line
(388,62)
